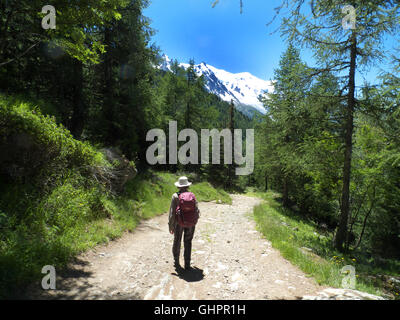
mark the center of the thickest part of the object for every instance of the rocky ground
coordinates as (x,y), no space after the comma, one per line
(230,260)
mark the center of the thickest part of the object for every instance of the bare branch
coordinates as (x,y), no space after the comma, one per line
(21,55)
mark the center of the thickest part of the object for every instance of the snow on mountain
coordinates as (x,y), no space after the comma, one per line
(243,88)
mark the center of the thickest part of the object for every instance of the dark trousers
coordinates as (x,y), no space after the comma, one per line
(187,241)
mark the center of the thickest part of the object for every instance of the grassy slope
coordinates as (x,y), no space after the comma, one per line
(293,236)
(154,193)
(144,198)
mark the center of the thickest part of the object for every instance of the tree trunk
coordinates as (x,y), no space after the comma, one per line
(108,103)
(231,128)
(365,220)
(341,233)
(285,193)
(78,113)
(188,123)
(352,221)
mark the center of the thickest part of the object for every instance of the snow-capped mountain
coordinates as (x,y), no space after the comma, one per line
(243,88)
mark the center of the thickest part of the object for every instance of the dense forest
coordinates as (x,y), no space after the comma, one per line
(76,103)
(331,146)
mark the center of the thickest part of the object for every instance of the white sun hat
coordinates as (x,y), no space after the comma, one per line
(182,182)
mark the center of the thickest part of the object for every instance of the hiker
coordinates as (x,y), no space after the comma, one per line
(183,216)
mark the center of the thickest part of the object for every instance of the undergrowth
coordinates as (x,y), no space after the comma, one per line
(302,243)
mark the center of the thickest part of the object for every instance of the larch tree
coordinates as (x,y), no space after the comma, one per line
(284,107)
(346,37)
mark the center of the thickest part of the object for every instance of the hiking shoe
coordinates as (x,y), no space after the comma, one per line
(176,264)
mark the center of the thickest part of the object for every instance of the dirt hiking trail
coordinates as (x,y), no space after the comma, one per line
(230,260)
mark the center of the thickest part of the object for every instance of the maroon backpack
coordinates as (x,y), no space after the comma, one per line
(186,210)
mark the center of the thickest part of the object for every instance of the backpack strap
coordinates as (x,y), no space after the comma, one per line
(180,214)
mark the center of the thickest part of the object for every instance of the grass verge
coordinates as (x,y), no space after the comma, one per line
(300,242)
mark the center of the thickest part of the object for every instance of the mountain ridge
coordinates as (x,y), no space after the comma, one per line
(242,88)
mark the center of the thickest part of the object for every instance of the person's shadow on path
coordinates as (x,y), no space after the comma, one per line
(190,275)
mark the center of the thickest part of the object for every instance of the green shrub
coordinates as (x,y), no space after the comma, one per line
(34,145)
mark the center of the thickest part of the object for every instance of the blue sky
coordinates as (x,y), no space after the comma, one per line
(221,36)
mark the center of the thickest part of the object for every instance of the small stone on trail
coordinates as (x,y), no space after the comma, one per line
(234,286)
(217,285)
(220,267)
(237,276)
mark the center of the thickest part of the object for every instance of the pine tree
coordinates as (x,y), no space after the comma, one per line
(284,108)
(342,50)
(231,167)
